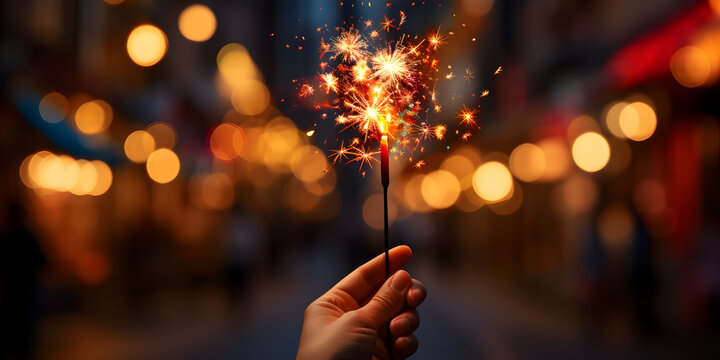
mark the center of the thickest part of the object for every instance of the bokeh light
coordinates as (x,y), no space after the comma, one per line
(492,181)
(222,141)
(87,178)
(591,151)
(250,97)
(691,66)
(54,107)
(412,194)
(528,162)
(612,118)
(460,166)
(163,165)
(138,146)
(104,178)
(235,65)
(440,189)
(163,133)
(557,156)
(197,23)
(146,45)
(308,163)
(638,121)
(510,203)
(93,117)
(476,8)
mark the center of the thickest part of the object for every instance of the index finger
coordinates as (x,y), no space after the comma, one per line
(363,280)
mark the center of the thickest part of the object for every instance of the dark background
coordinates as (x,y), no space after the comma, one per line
(623,262)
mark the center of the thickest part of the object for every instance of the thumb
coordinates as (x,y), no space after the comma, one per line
(388,301)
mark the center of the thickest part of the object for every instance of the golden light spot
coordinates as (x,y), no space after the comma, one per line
(163,166)
(581,125)
(104,178)
(477,8)
(691,66)
(235,65)
(54,107)
(197,22)
(307,163)
(612,118)
(250,97)
(591,152)
(138,146)
(221,141)
(715,5)
(163,134)
(638,121)
(87,178)
(440,189)
(557,156)
(461,167)
(492,181)
(93,117)
(372,211)
(528,162)
(146,45)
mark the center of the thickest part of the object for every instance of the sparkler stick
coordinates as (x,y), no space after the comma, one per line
(385,177)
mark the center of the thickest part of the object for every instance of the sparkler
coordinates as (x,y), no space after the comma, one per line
(386,92)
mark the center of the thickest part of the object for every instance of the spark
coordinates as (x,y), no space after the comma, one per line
(469,74)
(350,44)
(436,40)
(392,65)
(368,23)
(360,70)
(499,69)
(402,19)
(485,93)
(306,90)
(449,75)
(339,154)
(440,131)
(330,82)
(363,156)
(387,24)
(467,116)
(374,34)
(419,164)
(466,135)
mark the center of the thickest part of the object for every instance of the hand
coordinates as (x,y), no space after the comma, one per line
(349,321)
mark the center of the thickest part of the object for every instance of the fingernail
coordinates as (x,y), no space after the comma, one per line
(400,281)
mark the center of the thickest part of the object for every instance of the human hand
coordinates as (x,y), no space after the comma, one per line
(349,321)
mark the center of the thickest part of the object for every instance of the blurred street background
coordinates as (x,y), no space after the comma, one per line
(166,194)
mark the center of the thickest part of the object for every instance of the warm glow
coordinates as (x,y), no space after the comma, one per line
(139,145)
(163,134)
(616,226)
(477,8)
(557,156)
(715,5)
(591,152)
(492,181)
(93,117)
(104,178)
(638,121)
(163,166)
(235,65)
(222,140)
(250,97)
(612,118)
(146,45)
(308,163)
(87,178)
(412,195)
(197,22)
(691,66)
(461,167)
(440,189)
(528,162)
(576,195)
(54,107)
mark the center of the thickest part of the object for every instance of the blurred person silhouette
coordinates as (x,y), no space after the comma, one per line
(349,321)
(20,259)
